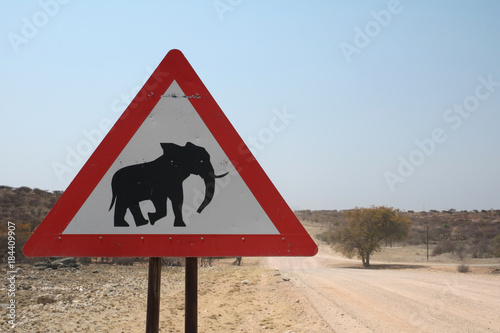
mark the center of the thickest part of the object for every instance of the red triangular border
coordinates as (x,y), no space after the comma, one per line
(48,240)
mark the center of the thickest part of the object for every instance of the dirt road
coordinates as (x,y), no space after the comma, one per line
(406,299)
(321,294)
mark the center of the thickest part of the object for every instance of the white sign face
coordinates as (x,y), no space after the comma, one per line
(145,176)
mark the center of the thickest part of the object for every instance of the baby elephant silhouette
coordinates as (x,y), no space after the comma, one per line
(160,180)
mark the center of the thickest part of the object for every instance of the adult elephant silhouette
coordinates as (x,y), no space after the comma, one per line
(160,180)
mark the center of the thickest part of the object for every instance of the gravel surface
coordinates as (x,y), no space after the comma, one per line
(326,293)
(111,298)
(401,297)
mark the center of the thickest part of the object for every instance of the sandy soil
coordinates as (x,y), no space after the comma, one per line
(325,293)
(110,298)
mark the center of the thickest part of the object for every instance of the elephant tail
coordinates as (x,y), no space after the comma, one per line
(112,201)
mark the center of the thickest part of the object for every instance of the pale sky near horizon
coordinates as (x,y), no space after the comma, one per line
(392,103)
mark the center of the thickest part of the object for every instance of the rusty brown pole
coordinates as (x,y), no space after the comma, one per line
(191,308)
(154,285)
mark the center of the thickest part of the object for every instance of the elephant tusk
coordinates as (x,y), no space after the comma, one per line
(220,176)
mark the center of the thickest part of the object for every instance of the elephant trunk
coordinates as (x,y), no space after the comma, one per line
(209,189)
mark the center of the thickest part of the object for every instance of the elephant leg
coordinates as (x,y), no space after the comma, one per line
(177,201)
(137,214)
(120,210)
(160,209)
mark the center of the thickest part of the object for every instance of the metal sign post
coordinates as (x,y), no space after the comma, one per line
(191,295)
(154,286)
(191,310)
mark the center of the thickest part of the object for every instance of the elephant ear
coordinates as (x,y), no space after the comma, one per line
(171,152)
(168,148)
(194,151)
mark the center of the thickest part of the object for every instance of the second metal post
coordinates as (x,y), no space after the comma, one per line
(191,309)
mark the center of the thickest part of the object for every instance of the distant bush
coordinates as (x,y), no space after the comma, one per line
(24,206)
(24,189)
(461,251)
(496,246)
(462,268)
(326,236)
(172,261)
(444,246)
(418,235)
(125,261)
(322,216)
(482,249)
(84,260)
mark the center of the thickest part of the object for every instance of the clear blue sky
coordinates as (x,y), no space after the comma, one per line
(391,103)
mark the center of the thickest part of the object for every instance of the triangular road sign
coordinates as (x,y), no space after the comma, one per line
(172,178)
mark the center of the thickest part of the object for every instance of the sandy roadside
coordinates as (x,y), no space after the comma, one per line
(325,293)
(110,298)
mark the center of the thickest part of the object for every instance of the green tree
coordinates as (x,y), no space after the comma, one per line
(365,229)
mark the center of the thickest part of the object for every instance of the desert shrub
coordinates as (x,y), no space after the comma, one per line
(473,230)
(125,261)
(23,189)
(414,241)
(172,261)
(461,250)
(326,236)
(444,246)
(462,268)
(3,248)
(442,233)
(50,203)
(21,239)
(496,246)
(85,260)
(40,192)
(491,230)
(482,249)
(417,236)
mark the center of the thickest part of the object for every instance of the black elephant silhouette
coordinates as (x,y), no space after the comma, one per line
(160,180)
